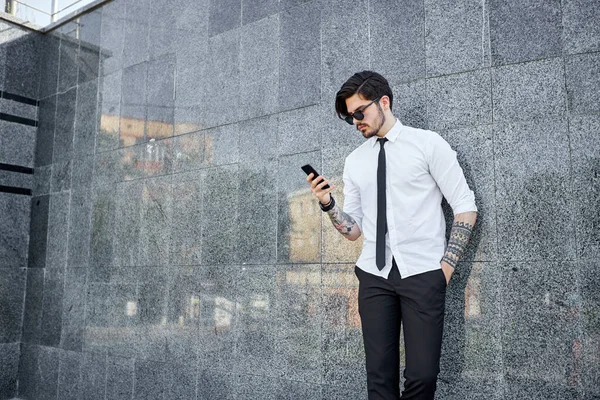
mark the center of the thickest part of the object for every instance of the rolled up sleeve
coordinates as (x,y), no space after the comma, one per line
(449,176)
(352,205)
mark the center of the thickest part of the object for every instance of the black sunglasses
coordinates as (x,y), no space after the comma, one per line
(358,114)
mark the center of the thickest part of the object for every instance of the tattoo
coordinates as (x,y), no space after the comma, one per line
(341,221)
(459,238)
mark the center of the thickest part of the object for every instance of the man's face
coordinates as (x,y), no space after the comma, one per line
(373,121)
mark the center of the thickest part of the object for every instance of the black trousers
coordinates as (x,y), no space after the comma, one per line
(418,302)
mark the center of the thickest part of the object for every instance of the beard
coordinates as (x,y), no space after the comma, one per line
(380,119)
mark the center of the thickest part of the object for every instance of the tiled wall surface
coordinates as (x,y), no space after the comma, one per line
(176,253)
(19,70)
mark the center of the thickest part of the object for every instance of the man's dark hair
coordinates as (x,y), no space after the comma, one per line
(368,84)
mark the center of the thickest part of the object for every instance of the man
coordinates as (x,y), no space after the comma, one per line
(393,188)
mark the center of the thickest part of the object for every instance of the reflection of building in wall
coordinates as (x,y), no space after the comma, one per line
(304,231)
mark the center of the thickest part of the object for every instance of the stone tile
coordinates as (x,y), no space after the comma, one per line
(161,97)
(135,44)
(89,46)
(156,217)
(220,229)
(131,163)
(213,385)
(15,211)
(93,376)
(9,353)
(475,387)
(259,68)
(38,231)
(181,380)
(133,105)
(188,152)
(257,221)
(32,315)
(410,105)
(183,314)
(472,347)
(585,145)
(73,309)
(8,106)
(49,55)
(191,71)
(343,27)
(257,387)
(52,307)
(332,392)
(16,179)
(288,390)
(258,139)
(108,168)
(119,378)
(524,30)
(453,36)
(192,15)
(44,144)
(299,131)
(399,53)
(27,371)
(299,216)
(257,323)
(60,180)
(17,143)
(158,157)
(581,31)
(46,374)
(41,180)
(127,232)
(528,90)
(583,83)
(300,56)
(224,16)
(341,337)
(103,220)
(68,57)
(536,199)
(65,120)
(149,380)
(299,314)
(458,100)
(112,307)
(109,108)
(586,368)
(221,145)
(220,294)
(112,37)
(12,290)
(223,68)
(255,10)
(540,323)
(58,228)
(69,385)
(475,153)
(22,73)
(87,118)
(82,173)
(186,231)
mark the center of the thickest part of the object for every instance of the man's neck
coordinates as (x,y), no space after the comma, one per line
(390,121)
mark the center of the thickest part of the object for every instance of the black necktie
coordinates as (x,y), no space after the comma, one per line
(381,211)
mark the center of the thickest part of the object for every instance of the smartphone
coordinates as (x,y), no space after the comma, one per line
(308,169)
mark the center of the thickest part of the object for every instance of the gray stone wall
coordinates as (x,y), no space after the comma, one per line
(18,118)
(176,253)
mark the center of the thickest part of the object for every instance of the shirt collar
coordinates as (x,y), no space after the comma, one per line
(392,135)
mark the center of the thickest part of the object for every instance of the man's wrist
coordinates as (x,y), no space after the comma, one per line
(328,206)
(449,262)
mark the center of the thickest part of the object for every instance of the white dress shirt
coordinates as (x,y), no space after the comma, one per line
(420,169)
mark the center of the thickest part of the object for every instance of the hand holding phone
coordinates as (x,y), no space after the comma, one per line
(321,192)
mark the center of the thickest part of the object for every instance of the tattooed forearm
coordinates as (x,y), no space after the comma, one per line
(341,221)
(459,238)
